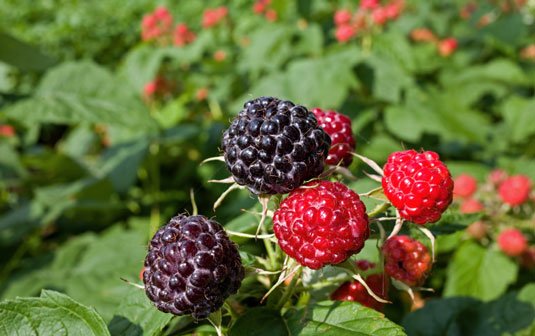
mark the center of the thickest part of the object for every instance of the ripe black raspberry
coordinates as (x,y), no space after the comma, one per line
(192,267)
(273,146)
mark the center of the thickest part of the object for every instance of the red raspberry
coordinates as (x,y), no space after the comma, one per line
(338,126)
(379,16)
(369,4)
(497,176)
(477,230)
(419,185)
(447,46)
(470,205)
(392,11)
(355,291)
(7,131)
(422,35)
(344,33)
(515,190)
(322,224)
(271,15)
(341,17)
(512,242)
(464,185)
(407,260)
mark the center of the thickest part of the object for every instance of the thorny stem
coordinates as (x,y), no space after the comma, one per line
(290,289)
(154,178)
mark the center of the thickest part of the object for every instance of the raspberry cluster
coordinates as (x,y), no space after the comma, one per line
(445,47)
(158,27)
(191,267)
(273,146)
(406,260)
(338,126)
(263,7)
(369,13)
(419,185)
(212,16)
(320,224)
(355,291)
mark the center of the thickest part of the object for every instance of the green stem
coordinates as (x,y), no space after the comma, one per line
(319,285)
(290,289)
(381,208)
(154,180)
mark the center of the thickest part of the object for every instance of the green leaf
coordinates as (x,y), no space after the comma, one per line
(141,65)
(388,78)
(22,55)
(51,314)
(519,117)
(339,318)
(479,272)
(452,221)
(63,98)
(438,317)
(263,321)
(137,316)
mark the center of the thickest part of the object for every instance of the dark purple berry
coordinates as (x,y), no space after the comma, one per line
(191,267)
(274,146)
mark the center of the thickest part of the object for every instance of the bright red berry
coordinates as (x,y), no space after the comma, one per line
(271,15)
(515,190)
(447,46)
(407,260)
(344,33)
(419,185)
(259,7)
(7,131)
(183,35)
(392,11)
(321,224)
(512,242)
(379,16)
(470,205)
(464,185)
(369,4)
(497,176)
(338,126)
(355,291)
(342,16)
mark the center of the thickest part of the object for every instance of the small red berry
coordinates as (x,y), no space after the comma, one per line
(271,15)
(355,291)
(512,242)
(379,16)
(259,7)
(497,176)
(148,21)
(201,94)
(342,16)
(322,224)
(477,230)
(406,260)
(369,4)
(515,190)
(470,205)
(464,185)
(150,88)
(7,131)
(392,11)
(447,46)
(183,35)
(220,55)
(419,185)
(422,35)
(344,33)
(338,126)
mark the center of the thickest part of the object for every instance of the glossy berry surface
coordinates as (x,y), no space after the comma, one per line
(338,126)
(273,146)
(419,185)
(355,291)
(464,185)
(406,260)
(321,224)
(512,242)
(191,267)
(515,190)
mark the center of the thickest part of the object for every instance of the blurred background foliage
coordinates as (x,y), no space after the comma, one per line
(94,161)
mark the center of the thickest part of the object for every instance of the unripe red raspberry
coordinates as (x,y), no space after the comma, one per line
(512,242)
(497,176)
(464,185)
(338,126)
(341,16)
(271,15)
(344,33)
(379,16)
(7,131)
(406,260)
(369,4)
(320,224)
(419,185)
(447,46)
(355,291)
(422,35)
(477,230)
(470,205)
(392,11)
(515,190)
